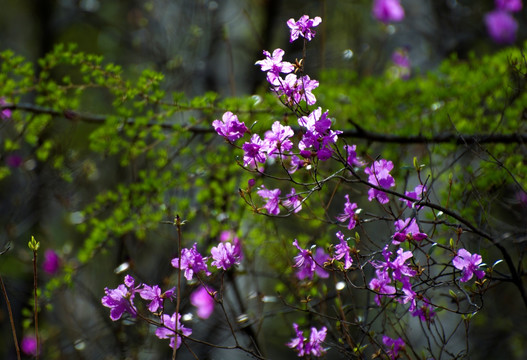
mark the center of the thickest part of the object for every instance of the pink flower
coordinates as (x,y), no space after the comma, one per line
(29,345)
(305,347)
(309,264)
(349,213)
(342,250)
(501,26)
(4,113)
(393,346)
(51,262)
(229,127)
(167,331)
(509,5)
(191,262)
(272,199)
(468,264)
(379,174)
(302,27)
(293,201)
(226,255)
(120,299)
(388,10)
(407,230)
(274,65)
(153,293)
(203,301)
(417,194)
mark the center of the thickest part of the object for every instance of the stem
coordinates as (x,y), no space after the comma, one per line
(10,312)
(35,296)
(178,296)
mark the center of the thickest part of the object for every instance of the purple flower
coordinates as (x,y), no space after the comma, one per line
(4,113)
(302,27)
(417,195)
(254,151)
(352,160)
(277,139)
(509,5)
(51,262)
(342,250)
(297,89)
(308,264)
(380,284)
(293,201)
(318,136)
(393,346)
(225,255)
(153,293)
(468,264)
(379,174)
(425,312)
(401,270)
(501,26)
(274,65)
(203,300)
(229,127)
(349,213)
(387,10)
(407,230)
(28,345)
(191,262)
(272,199)
(120,299)
(168,329)
(313,346)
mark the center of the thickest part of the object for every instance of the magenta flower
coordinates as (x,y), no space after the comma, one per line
(388,10)
(349,213)
(381,285)
(352,160)
(28,345)
(379,174)
(318,137)
(425,312)
(468,264)
(229,127)
(501,26)
(407,230)
(342,250)
(417,195)
(303,27)
(167,331)
(272,199)
(226,255)
(274,65)
(153,293)
(191,262)
(120,299)
(51,262)
(305,347)
(297,89)
(203,301)
(509,5)
(254,151)
(4,113)
(293,201)
(278,139)
(394,346)
(309,264)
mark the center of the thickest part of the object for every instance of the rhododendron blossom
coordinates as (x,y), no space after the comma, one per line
(407,230)
(501,26)
(303,27)
(272,199)
(168,330)
(274,65)
(379,174)
(394,346)
(311,346)
(349,213)
(203,301)
(120,299)
(191,262)
(469,264)
(229,127)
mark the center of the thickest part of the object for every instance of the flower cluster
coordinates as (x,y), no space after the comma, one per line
(469,264)
(312,346)
(379,175)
